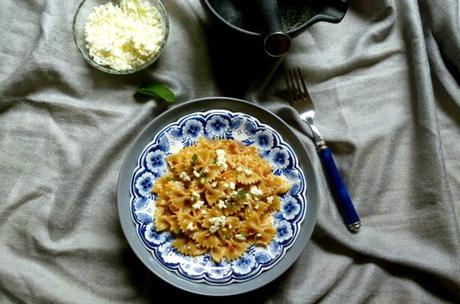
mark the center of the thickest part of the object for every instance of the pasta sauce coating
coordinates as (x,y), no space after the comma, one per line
(218,197)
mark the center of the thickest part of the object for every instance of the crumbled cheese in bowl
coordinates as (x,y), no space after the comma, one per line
(125,36)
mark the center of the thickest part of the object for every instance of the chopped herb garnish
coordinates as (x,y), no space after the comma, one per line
(194,159)
(241,194)
(202,180)
(169,178)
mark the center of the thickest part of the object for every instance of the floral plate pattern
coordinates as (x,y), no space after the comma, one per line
(217,124)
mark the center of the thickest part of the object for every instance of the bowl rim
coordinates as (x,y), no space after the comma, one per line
(164,15)
(123,195)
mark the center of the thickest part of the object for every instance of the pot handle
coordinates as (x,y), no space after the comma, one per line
(331,11)
(257,88)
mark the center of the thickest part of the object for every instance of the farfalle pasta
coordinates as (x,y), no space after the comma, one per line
(218,197)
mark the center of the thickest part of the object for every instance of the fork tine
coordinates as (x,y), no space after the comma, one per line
(297,85)
(288,85)
(287,79)
(304,90)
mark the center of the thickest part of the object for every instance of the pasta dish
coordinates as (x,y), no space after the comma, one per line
(218,197)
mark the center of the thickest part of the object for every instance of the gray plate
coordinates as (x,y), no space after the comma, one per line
(201,105)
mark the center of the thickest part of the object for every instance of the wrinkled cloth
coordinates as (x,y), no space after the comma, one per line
(385,82)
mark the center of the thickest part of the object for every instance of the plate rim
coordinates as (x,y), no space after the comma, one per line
(234,277)
(170,277)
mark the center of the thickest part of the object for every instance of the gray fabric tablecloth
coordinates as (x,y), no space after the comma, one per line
(386,85)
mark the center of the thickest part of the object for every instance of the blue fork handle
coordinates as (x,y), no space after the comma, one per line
(339,189)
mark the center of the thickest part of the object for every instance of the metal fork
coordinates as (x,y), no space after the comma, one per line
(301,100)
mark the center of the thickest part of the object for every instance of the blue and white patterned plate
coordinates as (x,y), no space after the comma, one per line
(217,124)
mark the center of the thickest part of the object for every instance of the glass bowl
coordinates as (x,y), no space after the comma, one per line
(79,22)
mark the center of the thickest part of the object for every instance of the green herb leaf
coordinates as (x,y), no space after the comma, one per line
(241,194)
(194,159)
(157,90)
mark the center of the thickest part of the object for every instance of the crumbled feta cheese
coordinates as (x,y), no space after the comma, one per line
(256,207)
(226,185)
(184,176)
(270,199)
(214,184)
(198,205)
(206,170)
(247,171)
(179,184)
(220,220)
(221,204)
(258,235)
(230,226)
(220,154)
(195,196)
(124,36)
(221,159)
(239,169)
(204,212)
(255,191)
(232,185)
(196,174)
(240,237)
(190,226)
(217,222)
